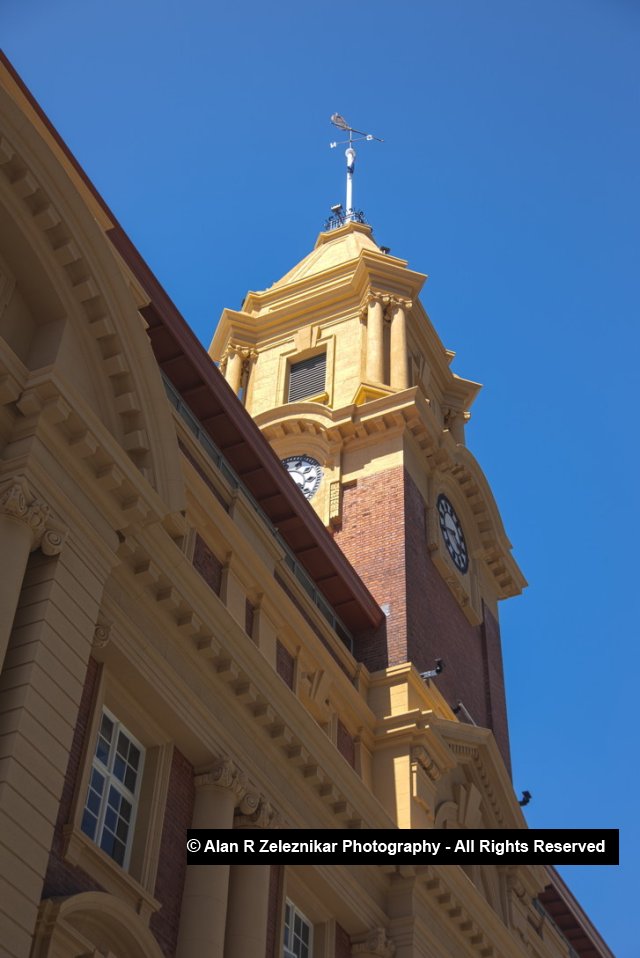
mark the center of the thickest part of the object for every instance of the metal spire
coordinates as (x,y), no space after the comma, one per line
(349,213)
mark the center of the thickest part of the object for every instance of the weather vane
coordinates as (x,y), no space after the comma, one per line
(350,153)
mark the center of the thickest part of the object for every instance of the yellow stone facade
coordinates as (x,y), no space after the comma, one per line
(140,581)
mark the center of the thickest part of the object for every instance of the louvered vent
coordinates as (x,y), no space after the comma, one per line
(307,377)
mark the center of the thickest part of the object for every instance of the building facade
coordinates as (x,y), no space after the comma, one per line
(187,639)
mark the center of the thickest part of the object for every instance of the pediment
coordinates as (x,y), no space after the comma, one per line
(95,341)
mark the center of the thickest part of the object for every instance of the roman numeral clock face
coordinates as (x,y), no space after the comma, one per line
(452,534)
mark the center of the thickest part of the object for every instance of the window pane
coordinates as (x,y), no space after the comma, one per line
(102,750)
(106,728)
(118,851)
(97,781)
(106,842)
(118,768)
(89,823)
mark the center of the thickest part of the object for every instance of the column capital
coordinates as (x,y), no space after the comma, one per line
(19,502)
(223,774)
(256,812)
(246,353)
(398,302)
(376,944)
(372,298)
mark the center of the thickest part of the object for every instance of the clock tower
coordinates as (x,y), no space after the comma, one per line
(345,375)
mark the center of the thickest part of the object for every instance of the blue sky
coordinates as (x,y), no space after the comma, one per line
(509,174)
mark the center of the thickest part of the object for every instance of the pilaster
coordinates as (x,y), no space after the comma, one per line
(26,524)
(40,691)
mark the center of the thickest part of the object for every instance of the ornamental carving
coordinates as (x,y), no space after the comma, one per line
(101,635)
(256,812)
(376,945)
(17,501)
(224,774)
(393,303)
(420,755)
(246,353)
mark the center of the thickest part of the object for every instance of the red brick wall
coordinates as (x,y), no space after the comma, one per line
(438,628)
(384,536)
(275,909)
(372,538)
(63,879)
(207,564)
(172,865)
(249,618)
(343,943)
(346,744)
(284,663)
(495,683)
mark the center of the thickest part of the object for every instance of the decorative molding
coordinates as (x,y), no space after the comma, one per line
(18,501)
(335,501)
(392,303)
(224,774)
(218,654)
(377,944)
(246,353)
(86,289)
(420,755)
(472,756)
(101,635)
(256,812)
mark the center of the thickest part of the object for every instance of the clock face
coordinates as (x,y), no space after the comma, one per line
(452,533)
(305,472)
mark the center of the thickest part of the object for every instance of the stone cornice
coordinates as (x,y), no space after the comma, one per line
(239,675)
(82,283)
(127,496)
(376,944)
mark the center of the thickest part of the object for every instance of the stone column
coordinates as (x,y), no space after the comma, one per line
(206,888)
(233,370)
(24,526)
(375,339)
(399,358)
(248,908)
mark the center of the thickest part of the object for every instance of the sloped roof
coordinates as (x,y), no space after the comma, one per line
(332,249)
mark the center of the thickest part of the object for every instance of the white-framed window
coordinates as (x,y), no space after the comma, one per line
(114,786)
(298,933)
